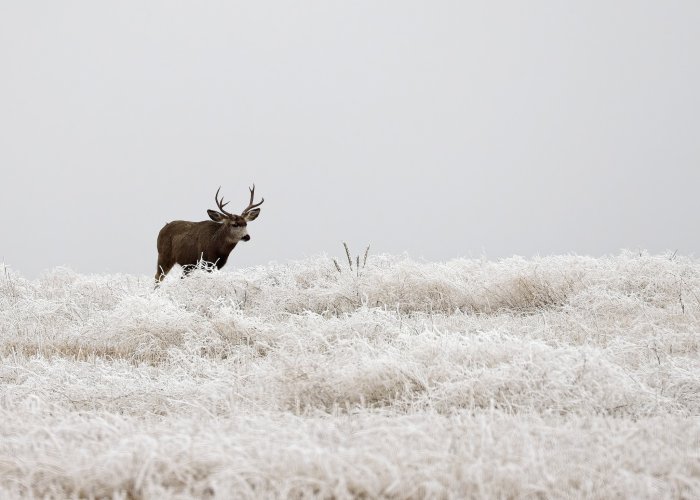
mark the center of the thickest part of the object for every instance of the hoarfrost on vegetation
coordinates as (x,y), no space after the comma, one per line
(561,376)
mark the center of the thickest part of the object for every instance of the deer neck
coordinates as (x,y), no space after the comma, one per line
(223,239)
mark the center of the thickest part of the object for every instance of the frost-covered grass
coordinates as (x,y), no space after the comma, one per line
(556,377)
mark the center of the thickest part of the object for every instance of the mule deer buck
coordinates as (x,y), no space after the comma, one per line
(186,243)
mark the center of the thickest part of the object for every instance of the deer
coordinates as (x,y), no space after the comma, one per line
(186,243)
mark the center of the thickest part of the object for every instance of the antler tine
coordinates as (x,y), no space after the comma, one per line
(221,203)
(251,205)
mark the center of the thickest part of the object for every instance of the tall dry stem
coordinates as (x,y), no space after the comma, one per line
(347,252)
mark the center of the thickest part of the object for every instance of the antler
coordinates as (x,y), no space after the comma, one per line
(251,206)
(221,203)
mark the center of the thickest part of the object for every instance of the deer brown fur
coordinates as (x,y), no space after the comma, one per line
(186,243)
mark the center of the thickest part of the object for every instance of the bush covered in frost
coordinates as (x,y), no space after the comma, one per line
(559,376)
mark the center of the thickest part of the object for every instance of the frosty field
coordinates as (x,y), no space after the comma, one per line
(556,377)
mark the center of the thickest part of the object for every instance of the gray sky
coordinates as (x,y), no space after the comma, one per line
(444,129)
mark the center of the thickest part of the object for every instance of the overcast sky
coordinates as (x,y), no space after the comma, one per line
(444,129)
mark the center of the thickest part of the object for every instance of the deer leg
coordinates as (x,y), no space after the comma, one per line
(187,269)
(162,270)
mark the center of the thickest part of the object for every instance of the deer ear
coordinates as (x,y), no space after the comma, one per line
(252,215)
(215,216)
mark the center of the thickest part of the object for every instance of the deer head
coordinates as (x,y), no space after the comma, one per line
(236,225)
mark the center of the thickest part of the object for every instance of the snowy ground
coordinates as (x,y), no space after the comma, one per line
(557,377)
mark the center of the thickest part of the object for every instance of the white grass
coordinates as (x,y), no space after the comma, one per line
(558,377)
